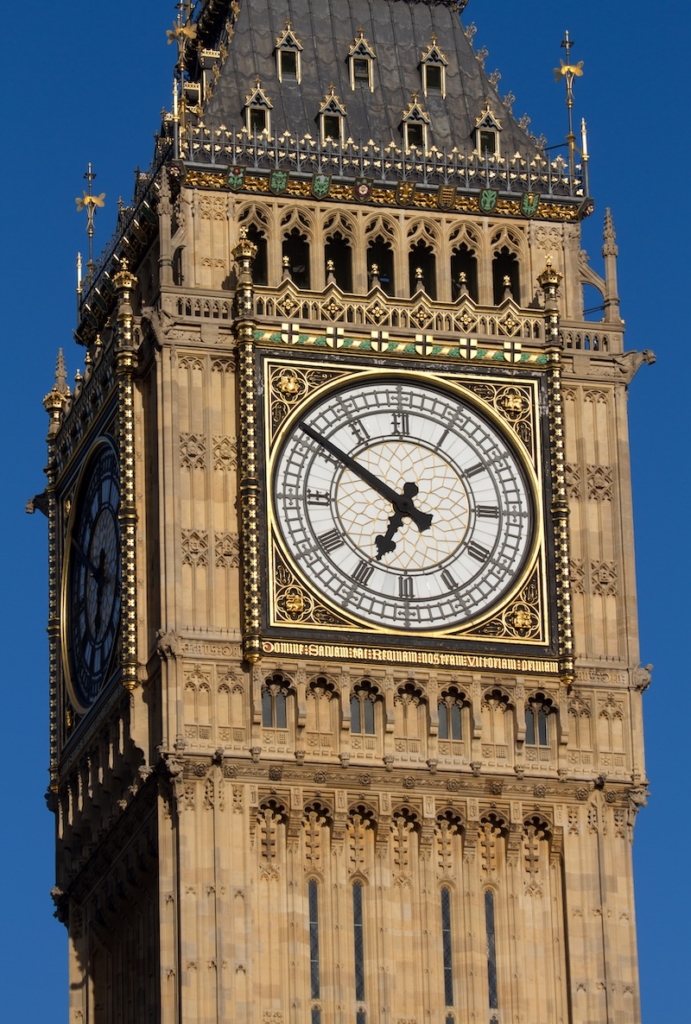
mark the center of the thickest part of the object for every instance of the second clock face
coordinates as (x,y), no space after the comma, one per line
(403,504)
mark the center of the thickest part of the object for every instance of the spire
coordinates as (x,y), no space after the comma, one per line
(61,375)
(610,251)
(58,395)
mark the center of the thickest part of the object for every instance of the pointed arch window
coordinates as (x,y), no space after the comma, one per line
(288,56)
(415,124)
(332,118)
(433,70)
(450,720)
(361,59)
(362,711)
(275,703)
(487,129)
(257,110)
(537,715)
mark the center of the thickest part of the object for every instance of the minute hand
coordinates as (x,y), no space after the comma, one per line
(401,502)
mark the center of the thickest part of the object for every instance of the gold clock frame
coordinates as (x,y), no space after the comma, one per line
(511,403)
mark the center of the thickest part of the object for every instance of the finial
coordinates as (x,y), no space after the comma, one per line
(286,268)
(508,294)
(330,275)
(569,72)
(89,202)
(463,283)
(419,280)
(61,374)
(58,395)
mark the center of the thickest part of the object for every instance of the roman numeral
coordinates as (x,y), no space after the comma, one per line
(363,572)
(449,581)
(477,551)
(405,587)
(359,431)
(331,540)
(401,422)
(318,498)
(488,511)
(474,470)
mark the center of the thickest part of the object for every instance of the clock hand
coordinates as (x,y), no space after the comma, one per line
(93,569)
(401,502)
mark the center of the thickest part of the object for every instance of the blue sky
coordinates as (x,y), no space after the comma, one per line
(86,82)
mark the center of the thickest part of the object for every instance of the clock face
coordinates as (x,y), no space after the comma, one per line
(403,504)
(92,588)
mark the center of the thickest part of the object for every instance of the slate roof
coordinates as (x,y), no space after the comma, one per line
(399,31)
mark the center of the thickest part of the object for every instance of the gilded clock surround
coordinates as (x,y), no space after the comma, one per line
(292,387)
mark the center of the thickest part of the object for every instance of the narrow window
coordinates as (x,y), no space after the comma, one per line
(257,120)
(433,77)
(455,721)
(260,272)
(415,136)
(446,946)
(296,248)
(289,63)
(369,716)
(505,264)
(280,709)
(536,726)
(316,1015)
(338,251)
(355,715)
(332,127)
(380,255)
(421,257)
(464,272)
(362,712)
(267,709)
(361,69)
(491,950)
(542,728)
(359,946)
(488,143)
(314,940)
(443,721)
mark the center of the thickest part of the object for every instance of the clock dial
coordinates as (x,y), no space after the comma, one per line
(403,504)
(92,590)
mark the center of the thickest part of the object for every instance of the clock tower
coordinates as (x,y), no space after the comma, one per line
(345,681)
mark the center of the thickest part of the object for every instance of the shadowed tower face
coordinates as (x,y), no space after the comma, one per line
(345,682)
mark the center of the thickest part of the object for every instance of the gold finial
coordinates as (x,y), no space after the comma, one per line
(89,202)
(569,72)
(330,266)
(418,274)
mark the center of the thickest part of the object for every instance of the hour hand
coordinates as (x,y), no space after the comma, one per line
(386,544)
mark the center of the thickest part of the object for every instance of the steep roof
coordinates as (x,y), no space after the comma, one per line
(398,31)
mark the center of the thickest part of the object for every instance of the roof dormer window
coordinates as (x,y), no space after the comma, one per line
(331,118)
(361,59)
(257,110)
(415,122)
(288,56)
(487,129)
(433,66)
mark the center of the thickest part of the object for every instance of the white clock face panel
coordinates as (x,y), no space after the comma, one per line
(403,505)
